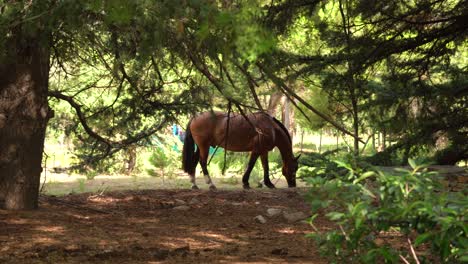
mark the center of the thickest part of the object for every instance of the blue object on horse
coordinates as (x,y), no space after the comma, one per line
(211,151)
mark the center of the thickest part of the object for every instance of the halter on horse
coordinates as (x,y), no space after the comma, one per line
(257,135)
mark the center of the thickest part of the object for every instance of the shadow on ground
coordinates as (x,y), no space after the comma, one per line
(152,226)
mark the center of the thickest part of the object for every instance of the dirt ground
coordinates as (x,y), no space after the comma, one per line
(161,226)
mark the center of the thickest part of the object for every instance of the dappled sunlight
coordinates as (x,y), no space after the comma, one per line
(287,230)
(178,242)
(50,229)
(44,240)
(18,221)
(134,220)
(216,237)
(103,199)
(77,216)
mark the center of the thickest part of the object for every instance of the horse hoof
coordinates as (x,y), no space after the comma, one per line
(194,187)
(212,187)
(246,186)
(270,185)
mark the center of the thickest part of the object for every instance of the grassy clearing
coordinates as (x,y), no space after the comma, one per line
(60,184)
(60,155)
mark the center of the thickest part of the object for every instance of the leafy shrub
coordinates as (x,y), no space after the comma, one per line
(327,166)
(165,157)
(368,203)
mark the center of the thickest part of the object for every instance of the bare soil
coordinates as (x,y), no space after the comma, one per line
(147,226)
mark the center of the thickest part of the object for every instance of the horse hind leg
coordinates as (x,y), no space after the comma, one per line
(206,175)
(193,173)
(203,163)
(193,181)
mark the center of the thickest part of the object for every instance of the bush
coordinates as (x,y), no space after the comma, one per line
(326,165)
(367,203)
(165,157)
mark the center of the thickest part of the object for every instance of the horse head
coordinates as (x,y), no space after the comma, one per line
(290,169)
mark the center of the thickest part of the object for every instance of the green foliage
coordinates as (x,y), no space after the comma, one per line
(319,100)
(128,68)
(371,203)
(166,157)
(332,164)
(81,184)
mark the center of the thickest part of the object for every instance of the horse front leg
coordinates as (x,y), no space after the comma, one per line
(192,175)
(266,171)
(245,178)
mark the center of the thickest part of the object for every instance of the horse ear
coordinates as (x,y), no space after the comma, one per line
(298,156)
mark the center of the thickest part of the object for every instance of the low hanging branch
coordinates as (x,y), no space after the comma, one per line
(111,146)
(251,83)
(288,91)
(81,117)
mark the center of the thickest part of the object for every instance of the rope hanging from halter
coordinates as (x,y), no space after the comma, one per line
(225,140)
(227,135)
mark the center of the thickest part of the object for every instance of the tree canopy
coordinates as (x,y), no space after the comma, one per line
(127,68)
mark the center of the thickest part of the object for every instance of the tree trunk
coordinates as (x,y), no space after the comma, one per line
(275,100)
(373,140)
(24,113)
(320,141)
(337,139)
(355,124)
(302,140)
(131,159)
(384,140)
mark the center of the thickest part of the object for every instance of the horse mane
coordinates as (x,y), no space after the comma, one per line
(283,128)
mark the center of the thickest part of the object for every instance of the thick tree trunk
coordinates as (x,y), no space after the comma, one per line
(131,159)
(275,100)
(24,113)
(355,123)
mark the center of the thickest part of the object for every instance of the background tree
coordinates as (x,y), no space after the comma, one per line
(363,53)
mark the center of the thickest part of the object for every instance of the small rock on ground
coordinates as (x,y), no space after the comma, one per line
(260,219)
(294,217)
(273,212)
(194,201)
(182,208)
(179,202)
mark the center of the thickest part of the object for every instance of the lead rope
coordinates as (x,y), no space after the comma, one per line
(217,147)
(226,139)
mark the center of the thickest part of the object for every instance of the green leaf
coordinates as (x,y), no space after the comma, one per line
(364,176)
(343,164)
(422,238)
(334,216)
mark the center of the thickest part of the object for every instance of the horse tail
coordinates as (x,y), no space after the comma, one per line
(190,157)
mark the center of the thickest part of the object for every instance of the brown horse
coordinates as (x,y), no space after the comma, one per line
(257,135)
